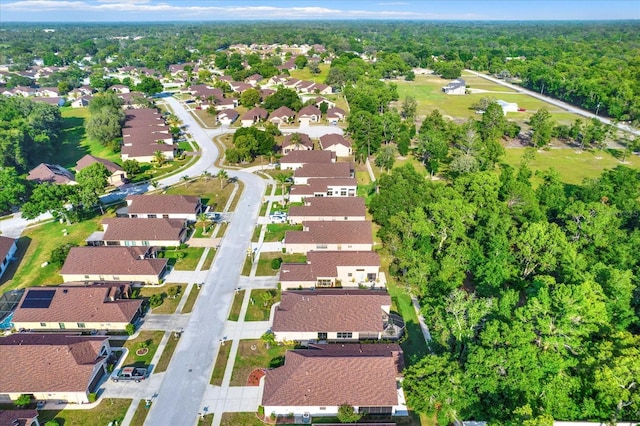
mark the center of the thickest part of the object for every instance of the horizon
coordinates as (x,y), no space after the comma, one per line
(138,11)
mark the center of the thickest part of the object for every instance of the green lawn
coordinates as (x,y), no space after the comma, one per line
(107,411)
(169,305)
(190,260)
(34,249)
(75,144)
(572,166)
(427,90)
(264,263)
(153,338)
(234,314)
(305,74)
(244,419)
(140,414)
(246,268)
(254,354)
(221,364)
(191,300)
(206,420)
(212,192)
(167,353)
(276,231)
(262,300)
(209,259)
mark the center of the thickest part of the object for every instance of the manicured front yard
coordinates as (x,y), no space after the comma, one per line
(276,231)
(107,411)
(221,364)
(265,262)
(185,259)
(169,304)
(244,419)
(152,338)
(254,354)
(260,305)
(210,189)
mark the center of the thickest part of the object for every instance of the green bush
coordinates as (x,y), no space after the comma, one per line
(347,414)
(156,299)
(23,400)
(93,396)
(52,423)
(275,263)
(130,329)
(59,254)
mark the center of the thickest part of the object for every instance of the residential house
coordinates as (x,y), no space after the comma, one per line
(8,248)
(146,133)
(322,100)
(331,315)
(336,143)
(25,417)
(331,269)
(456,87)
(335,115)
(318,380)
(48,92)
(309,114)
(239,86)
(295,159)
(282,115)
(321,170)
(329,209)
(254,79)
(52,173)
(265,93)
(323,187)
(77,308)
(132,264)
(81,102)
(330,236)
(296,143)
(130,232)
(117,177)
(227,117)
(226,103)
(162,205)
(120,88)
(507,106)
(254,116)
(57,367)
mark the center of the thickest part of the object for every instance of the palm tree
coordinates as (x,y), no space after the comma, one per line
(296,140)
(203,219)
(159,158)
(206,175)
(223,176)
(282,180)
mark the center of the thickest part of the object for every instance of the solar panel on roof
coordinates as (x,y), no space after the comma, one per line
(40,299)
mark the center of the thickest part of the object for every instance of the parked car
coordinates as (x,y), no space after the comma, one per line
(130,374)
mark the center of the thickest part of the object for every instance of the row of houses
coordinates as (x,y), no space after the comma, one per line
(323,309)
(144,134)
(55,173)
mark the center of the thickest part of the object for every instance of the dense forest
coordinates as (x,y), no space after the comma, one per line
(532,294)
(595,65)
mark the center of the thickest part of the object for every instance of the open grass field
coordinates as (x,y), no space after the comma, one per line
(427,90)
(221,364)
(106,412)
(35,247)
(75,144)
(254,354)
(305,74)
(572,166)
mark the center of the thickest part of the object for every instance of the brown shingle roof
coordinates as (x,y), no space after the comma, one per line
(351,232)
(332,375)
(330,207)
(308,157)
(163,204)
(124,228)
(5,245)
(331,311)
(50,173)
(78,304)
(332,139)
(283,111)
(309,110)
(47,362)
(324,264)
(111,261)
(89,159)
(17,417)
(305,140)
(323,170)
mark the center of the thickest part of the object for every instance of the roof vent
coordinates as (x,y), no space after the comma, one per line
(65,291)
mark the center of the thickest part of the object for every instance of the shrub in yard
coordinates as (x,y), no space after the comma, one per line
(173,291)
(275,263)
(130,329)
(347,414)
(59,254)
(52,423)
(23,400)
(156,299)
(93,396)
(261,411)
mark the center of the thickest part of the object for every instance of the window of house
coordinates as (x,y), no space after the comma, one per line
(116,278)
(80,325)
(43,324)
(61,325)
(323,408)
(343,193)
(165,216)
(86,277)
(324,283)
(152,216)
(349,274)
(146,243)
(330,193)
(321,246)
(345,335)
(322,336)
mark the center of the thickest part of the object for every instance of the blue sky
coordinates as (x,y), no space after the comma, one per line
(224,10)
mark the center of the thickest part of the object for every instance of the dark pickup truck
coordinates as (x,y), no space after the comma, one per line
(130,374)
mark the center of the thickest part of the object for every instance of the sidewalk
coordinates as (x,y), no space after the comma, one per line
(258,247)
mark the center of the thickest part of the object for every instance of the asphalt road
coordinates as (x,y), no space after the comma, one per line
(556,102)
(185,381)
